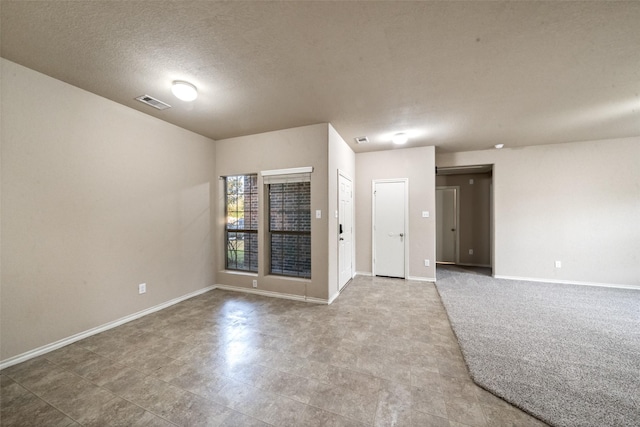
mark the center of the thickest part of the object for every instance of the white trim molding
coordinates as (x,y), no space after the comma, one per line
(82,335)
(333,297)
(290,171)
(272,294)
(363,273)
(568,282)
(422,279)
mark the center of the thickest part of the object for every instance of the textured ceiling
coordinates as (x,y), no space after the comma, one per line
(457,75)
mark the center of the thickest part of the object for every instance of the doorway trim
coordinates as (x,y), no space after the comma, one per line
(462,169)
(457,207)
(406,223)
(342,174)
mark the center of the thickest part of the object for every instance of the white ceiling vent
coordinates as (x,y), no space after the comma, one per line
(361,140)
(155,103)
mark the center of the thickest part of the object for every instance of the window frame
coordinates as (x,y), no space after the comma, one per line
(302,273)
(254,224)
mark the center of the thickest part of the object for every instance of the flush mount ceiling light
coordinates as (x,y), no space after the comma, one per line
(400,138)
(184,91)
(499,146)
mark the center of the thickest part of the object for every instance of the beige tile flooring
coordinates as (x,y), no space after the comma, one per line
(383,354)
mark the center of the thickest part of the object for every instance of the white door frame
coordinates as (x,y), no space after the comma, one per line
(406,223)
(492,225)
(457,188)
(348,178)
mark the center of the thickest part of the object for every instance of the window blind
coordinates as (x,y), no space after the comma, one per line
(285,176)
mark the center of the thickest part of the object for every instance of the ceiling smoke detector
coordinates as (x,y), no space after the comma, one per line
(361,140)
(155,103)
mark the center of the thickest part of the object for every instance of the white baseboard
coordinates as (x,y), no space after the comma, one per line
(416,278)
(273,294)
(333,298)
(422,279)
(82,335)
(568,282)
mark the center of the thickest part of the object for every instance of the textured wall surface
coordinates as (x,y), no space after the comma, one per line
(96,198)
(290,148)
(577,203)
(416,164)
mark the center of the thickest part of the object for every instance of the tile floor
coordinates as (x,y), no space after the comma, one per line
(383,354)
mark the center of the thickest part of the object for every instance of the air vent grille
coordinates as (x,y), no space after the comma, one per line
(155,103)
(361,140)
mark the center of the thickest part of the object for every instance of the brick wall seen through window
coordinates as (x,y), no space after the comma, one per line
(241,231)
(290,229)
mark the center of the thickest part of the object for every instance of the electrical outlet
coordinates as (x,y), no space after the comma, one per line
(142,288)
(470,251)
(425,214)
(426,263)
(558,264)
(255,283)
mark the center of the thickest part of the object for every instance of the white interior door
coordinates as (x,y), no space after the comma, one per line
(389,231)
(345,230)
(446,225)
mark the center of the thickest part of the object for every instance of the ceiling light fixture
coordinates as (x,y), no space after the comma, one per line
(184,91)
(499,146)
(400,138)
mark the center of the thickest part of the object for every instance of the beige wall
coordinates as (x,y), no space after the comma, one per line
(290,148)
(418,165)
(577,203)
(343,159)
(474,213)
(96,198)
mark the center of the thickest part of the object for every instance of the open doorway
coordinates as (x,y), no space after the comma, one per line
(447,219)
(464,217)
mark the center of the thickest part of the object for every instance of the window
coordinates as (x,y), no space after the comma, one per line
(241,232)
(290,228)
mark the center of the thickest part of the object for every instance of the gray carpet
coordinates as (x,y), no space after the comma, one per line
(567,354)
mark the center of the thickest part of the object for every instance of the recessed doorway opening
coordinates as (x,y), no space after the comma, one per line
(464,216)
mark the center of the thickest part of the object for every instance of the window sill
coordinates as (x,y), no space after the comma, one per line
(240,273)
(288,278)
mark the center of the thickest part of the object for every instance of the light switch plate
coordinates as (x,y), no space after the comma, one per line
(318,214)
(425,214)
